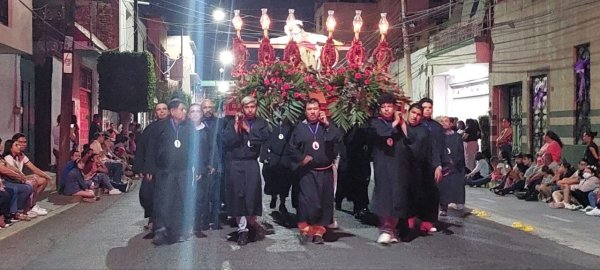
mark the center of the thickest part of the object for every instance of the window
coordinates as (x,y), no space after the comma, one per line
(581,70)
(85,80)
(4,12)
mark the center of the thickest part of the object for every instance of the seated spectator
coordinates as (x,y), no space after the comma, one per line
(549,185)
(132,147)
(75,184)
(481,173)
(98,171)
(531,194)
(594,198)
(518,184)
(74,156)
(14,156)
(6,198)
(14,182)
(564,193)
(580,191)
(552,145)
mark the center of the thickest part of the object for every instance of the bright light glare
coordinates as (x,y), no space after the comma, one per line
(223,86)
(226,57)
(219,15)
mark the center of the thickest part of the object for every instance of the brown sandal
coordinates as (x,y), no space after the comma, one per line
(22,217)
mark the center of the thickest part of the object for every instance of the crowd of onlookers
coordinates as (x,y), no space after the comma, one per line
(102,166)
(544,176)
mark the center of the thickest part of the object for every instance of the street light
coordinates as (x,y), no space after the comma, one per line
(226,58)
(218,15)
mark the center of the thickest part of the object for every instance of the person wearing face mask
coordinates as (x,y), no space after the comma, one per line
(580,191)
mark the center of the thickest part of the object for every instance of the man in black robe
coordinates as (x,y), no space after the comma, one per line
(354,171)
(141,166)
(423,193)
(243,138)
(312,151)
(169,152)
(438,142)
(214,130)
(391,165)
(199,154)
(277,170)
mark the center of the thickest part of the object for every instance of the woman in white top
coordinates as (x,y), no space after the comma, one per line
(481,173)
(14,156)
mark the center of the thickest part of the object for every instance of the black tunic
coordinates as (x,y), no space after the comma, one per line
(423,193)
(173,193)
(141,166)
(354,168)
(315,199)
(452,186)
(277,165)
(587,154)
(391,164)
(244,196)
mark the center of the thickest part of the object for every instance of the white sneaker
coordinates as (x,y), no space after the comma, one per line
(40,211)
(384,238)
(333,225)
(130,186)
(569,206)
(115,191)
(594,212)
(586,209)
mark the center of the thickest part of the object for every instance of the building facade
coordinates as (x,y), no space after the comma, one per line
(17,80)
(541,71)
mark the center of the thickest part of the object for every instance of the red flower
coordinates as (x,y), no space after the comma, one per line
(357,76)
(266,82)
(279,81)
(298,95)
(286,86)
(367,81)
(328,88)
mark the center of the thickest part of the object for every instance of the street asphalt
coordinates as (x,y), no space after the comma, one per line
(108,235)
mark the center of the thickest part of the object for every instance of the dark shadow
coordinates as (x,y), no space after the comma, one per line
(335,235)
(58,199)
(287,220)
(130,256)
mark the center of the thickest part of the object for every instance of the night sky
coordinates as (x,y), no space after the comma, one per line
(195,18)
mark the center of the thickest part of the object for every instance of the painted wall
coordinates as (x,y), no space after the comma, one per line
(10,94)
(17,37)
(538,37)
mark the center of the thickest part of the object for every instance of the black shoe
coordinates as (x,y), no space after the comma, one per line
(273,202)
(160,238)
(149,236)
(532,198)
(200,234)
(304,238)
(338,205)
(521,195)
(242,238)
(318,240)
(282,209)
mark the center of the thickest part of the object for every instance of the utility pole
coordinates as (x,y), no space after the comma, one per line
(135,25)
(408,68)
(66,105)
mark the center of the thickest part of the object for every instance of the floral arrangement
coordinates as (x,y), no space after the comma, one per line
(352,93)
(280,89)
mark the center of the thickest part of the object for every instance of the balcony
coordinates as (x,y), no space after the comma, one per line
(455,34)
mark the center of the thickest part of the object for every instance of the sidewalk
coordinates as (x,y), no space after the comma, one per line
(50,200)
(570,228)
